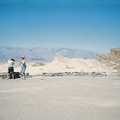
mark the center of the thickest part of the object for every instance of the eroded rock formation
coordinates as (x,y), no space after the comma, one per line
(111,59)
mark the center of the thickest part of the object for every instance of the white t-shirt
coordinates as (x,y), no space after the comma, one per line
(11,63)
(23,62)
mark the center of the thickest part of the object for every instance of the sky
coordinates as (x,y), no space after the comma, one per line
(81,24)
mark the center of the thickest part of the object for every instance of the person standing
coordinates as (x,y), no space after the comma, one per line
(11,63)
(23,66)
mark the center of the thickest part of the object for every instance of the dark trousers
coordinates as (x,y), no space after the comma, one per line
(11,70)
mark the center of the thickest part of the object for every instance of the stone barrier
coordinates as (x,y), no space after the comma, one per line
(16,75)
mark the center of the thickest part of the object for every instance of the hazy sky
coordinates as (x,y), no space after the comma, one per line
(84,24)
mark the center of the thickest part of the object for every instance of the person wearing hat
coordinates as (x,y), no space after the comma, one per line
(23,66)
(11,63)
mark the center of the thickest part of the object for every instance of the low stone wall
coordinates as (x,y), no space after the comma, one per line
(60,74)
(16,75)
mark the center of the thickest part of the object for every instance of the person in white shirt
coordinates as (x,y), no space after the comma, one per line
(23,66)
(11,63)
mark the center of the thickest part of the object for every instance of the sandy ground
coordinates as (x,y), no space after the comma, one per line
(60,98)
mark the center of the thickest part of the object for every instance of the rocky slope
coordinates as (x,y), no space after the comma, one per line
(111,59)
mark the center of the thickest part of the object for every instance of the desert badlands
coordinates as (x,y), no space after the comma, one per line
(62,64)
(66,97)
(106,63)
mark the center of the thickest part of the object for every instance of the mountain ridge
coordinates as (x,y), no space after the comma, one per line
(45,54)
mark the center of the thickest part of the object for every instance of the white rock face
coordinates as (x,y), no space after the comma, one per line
(61,64)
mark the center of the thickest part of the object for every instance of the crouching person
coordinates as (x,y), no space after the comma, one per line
(23,67)
(11,63)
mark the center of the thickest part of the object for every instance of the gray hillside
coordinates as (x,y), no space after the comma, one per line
(43,54)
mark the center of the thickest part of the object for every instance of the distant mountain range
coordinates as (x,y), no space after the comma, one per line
(44,54)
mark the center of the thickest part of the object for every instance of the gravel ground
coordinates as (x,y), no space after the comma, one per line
(60,98)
